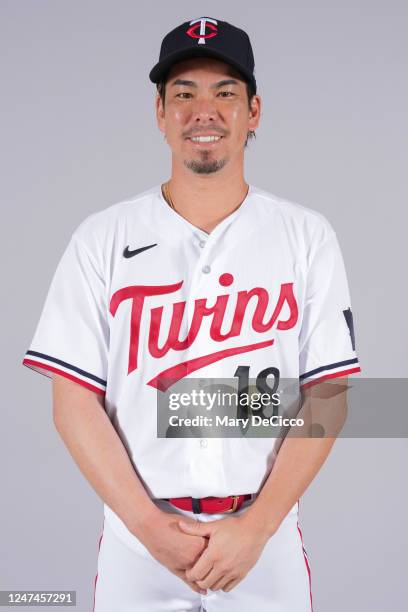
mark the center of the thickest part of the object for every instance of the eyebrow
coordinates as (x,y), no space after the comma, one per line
(214,86)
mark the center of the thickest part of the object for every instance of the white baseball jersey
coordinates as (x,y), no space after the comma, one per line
(141,296)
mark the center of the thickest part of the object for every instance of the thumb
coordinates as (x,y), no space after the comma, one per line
(196,528)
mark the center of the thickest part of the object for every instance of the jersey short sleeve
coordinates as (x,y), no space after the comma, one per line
(72,334)
(326,341)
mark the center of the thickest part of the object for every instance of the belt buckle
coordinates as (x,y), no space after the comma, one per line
(235,499)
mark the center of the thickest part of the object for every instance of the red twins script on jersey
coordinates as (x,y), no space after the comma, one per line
(138,293)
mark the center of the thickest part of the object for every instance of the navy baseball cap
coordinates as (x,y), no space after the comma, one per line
(206,37)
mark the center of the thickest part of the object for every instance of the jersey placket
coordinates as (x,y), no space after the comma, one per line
(205,454)
(203,457)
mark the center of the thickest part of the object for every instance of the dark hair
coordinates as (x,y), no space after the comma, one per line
(161,90)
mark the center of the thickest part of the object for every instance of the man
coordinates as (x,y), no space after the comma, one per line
(202,277)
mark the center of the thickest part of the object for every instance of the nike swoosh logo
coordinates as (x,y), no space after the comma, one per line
(127,253)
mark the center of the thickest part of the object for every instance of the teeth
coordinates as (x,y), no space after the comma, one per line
(205,138)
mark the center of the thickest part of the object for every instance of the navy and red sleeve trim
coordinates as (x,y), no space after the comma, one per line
(331,370)
(46,364)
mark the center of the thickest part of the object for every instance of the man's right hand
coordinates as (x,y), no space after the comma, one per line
(87,430)
(177,551)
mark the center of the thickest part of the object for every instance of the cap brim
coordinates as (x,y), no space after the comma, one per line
(161,68)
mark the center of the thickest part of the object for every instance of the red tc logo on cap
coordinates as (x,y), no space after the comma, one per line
(203,24)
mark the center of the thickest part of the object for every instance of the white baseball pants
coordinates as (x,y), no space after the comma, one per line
(131,580)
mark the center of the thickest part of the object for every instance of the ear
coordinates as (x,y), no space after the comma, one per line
(255,112)
(160,114)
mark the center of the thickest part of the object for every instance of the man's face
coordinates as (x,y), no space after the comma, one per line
(206,97)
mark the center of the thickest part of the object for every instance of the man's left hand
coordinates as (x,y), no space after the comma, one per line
(235,544)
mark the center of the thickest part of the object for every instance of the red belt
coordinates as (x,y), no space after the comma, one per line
(210,505)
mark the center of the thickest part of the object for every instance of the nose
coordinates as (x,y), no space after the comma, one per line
(204,110)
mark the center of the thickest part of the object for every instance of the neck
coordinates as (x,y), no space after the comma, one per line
(205,200)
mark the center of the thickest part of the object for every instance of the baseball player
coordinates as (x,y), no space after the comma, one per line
(202,277)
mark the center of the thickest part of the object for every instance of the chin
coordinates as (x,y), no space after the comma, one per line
(206,167)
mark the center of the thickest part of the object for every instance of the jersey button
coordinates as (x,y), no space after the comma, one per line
(201,244)
(206,269)
(203,443)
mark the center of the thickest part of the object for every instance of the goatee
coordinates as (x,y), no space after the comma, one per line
(206,166)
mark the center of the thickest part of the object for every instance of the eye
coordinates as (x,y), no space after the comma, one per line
(183,93)
(228,94)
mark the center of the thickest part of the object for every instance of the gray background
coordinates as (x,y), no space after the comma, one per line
(79,134)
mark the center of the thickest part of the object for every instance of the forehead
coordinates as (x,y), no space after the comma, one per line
(197,68)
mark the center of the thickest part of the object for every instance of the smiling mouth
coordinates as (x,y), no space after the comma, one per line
(204,139)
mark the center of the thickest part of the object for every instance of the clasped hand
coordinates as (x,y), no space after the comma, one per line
(234,546)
